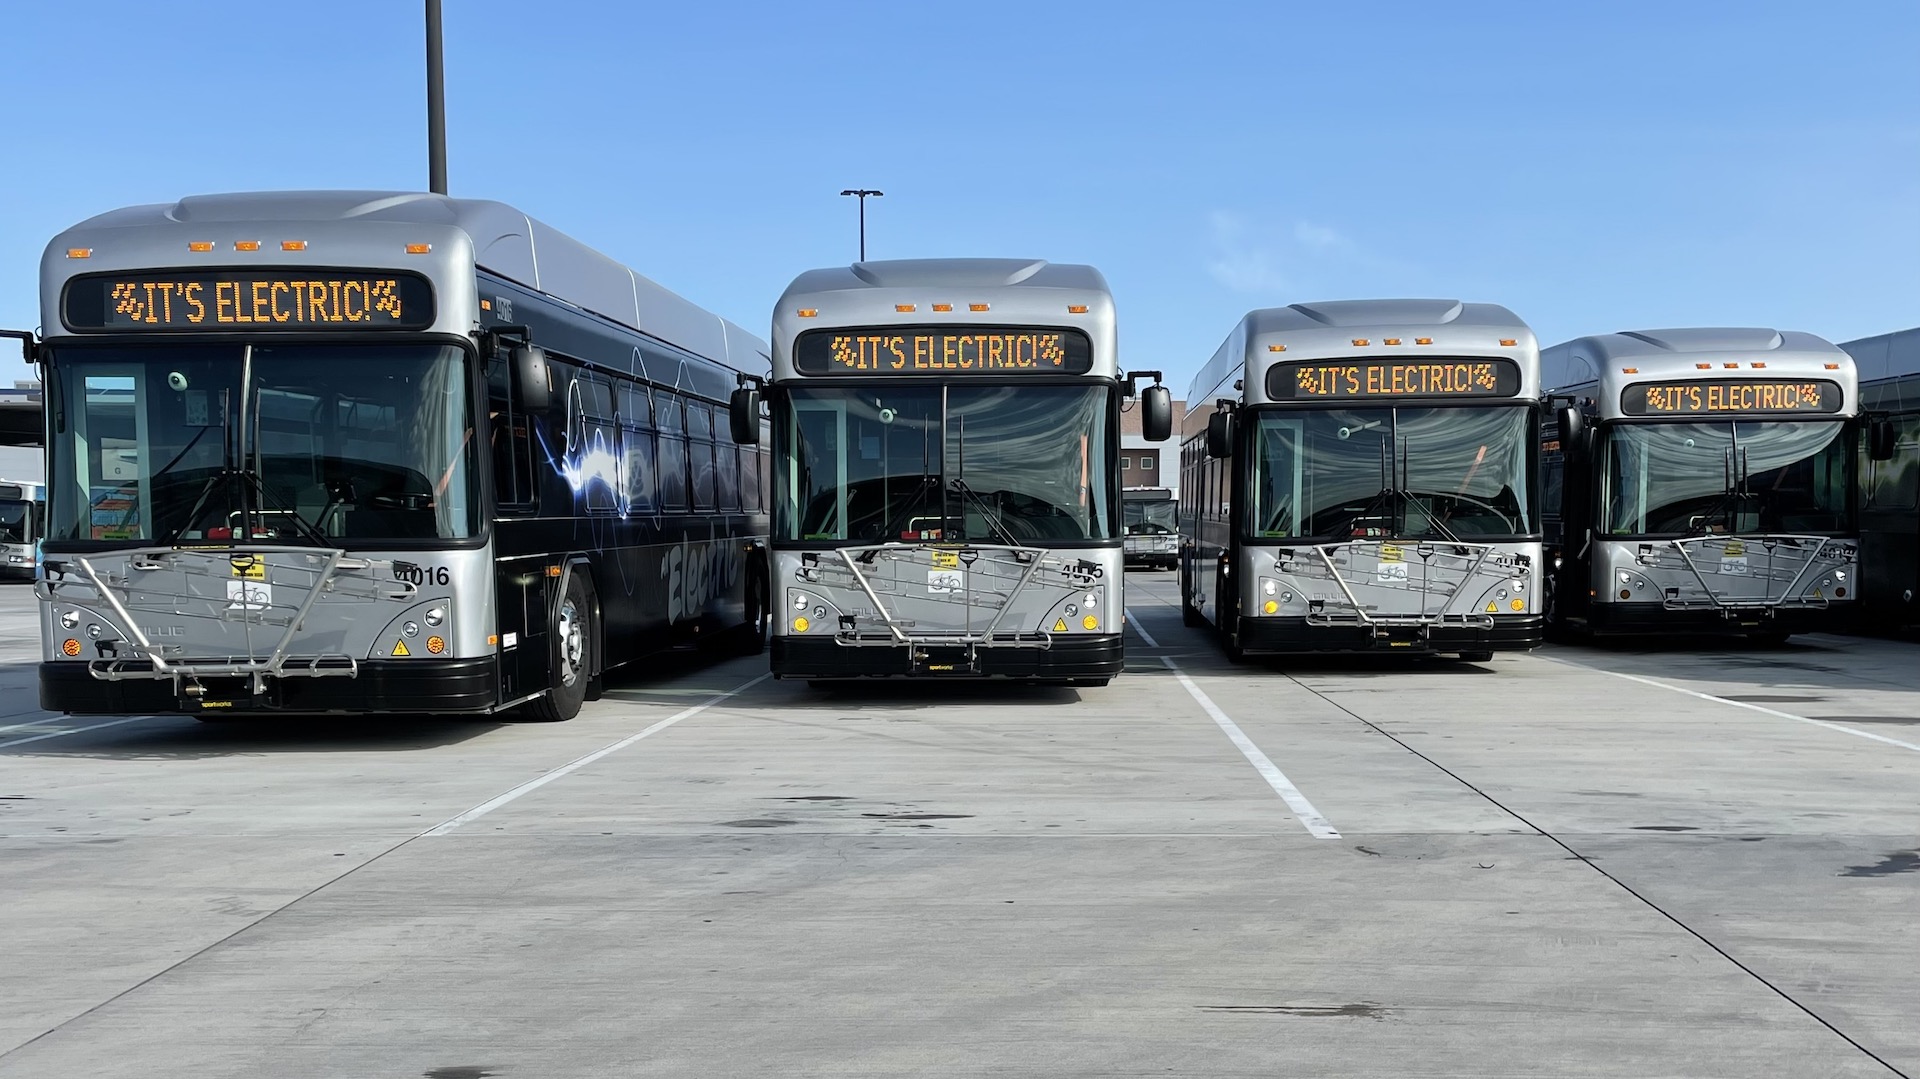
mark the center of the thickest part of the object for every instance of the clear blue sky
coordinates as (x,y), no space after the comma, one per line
(1593,167)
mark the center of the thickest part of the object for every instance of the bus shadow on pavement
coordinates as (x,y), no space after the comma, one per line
(889,694)
(185,738)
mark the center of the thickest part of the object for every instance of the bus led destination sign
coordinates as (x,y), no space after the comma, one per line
(943,350)
(1393,378)
(1709,396)
(282,300)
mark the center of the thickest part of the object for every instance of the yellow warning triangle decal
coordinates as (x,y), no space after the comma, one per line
(400,648)
(1493,608)
(1059,625)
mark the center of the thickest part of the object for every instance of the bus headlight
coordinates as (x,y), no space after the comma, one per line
(436,616)
(69,619)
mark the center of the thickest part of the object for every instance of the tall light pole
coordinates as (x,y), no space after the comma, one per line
(863,193)
(436,105)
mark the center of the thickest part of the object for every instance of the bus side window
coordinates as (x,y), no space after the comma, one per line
(1894,484)
(700,455)
(672,463)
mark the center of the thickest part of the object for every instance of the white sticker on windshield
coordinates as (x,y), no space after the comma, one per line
(945,580)
(1734,567)
(1391,572)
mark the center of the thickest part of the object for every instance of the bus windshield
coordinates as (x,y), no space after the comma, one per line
(1149,517)
(1412,473)
(324,445)
(1729,477)
(913,463)
(14,523)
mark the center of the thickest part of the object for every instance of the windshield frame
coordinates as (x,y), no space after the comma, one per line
(1601,469)
(780,405)
(479,465)
(1244,494)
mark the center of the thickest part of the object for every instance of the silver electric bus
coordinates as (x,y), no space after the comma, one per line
(23,510)
(1151,519)
(1888,488)
(1361,475)
(359,452)
(1703,481)
(947,501)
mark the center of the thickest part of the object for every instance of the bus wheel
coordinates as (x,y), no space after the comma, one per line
(1477,657)
(751,639)
(1772,638)
(573,640)
(1189,616)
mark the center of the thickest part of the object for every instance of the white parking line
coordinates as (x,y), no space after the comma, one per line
(1140,629)
(531,785)
(71,730)
(1739,704)
(1303,811)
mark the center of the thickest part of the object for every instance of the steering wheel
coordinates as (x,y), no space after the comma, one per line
(402,500)
(1465,499)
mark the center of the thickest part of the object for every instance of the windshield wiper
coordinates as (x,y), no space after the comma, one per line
(995,528)
(307,529)
(1727,507)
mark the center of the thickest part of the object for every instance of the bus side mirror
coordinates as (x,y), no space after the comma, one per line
(743,415)
(533,377)
(1572,426)
(1882,438)
(1220,434)
(29,344)
(1156,413)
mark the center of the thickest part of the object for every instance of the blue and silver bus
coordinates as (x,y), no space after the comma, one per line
(946,433)
(1360,475)
(358,452)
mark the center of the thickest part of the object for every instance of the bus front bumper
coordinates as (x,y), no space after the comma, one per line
(1068,657)
(418,686)
(1625,619)
(1293,636)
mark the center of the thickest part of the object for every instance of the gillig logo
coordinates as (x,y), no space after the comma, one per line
(696,572)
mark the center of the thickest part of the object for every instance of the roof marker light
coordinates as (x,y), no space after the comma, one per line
(976,307)
(486,304)
(79,252)
(246,245)
(1276,348)
(1730,366)
(1833,367)
(1076,309)
(1360,342)
(809,312)
(1391,341)
(200,245)
(293,245)
(1629,370)
(1508,342)
(1423,340)
(1703,367)
(1758,363)
(419,249)
(904,308)
(943,307)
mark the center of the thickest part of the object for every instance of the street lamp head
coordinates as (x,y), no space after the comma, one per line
(862,192)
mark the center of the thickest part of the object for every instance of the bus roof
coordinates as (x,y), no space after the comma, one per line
(371,228)
(1677,354)
(1327,329)
(1018,291)
(1885,356)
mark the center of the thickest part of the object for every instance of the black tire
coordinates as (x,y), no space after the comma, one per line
(1189,616)
(1229,627)
(1477,657)
(574,639)
(1088,683)
(1772,638)
(751,638)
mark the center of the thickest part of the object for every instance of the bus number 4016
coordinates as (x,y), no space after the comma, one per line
(412,574)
